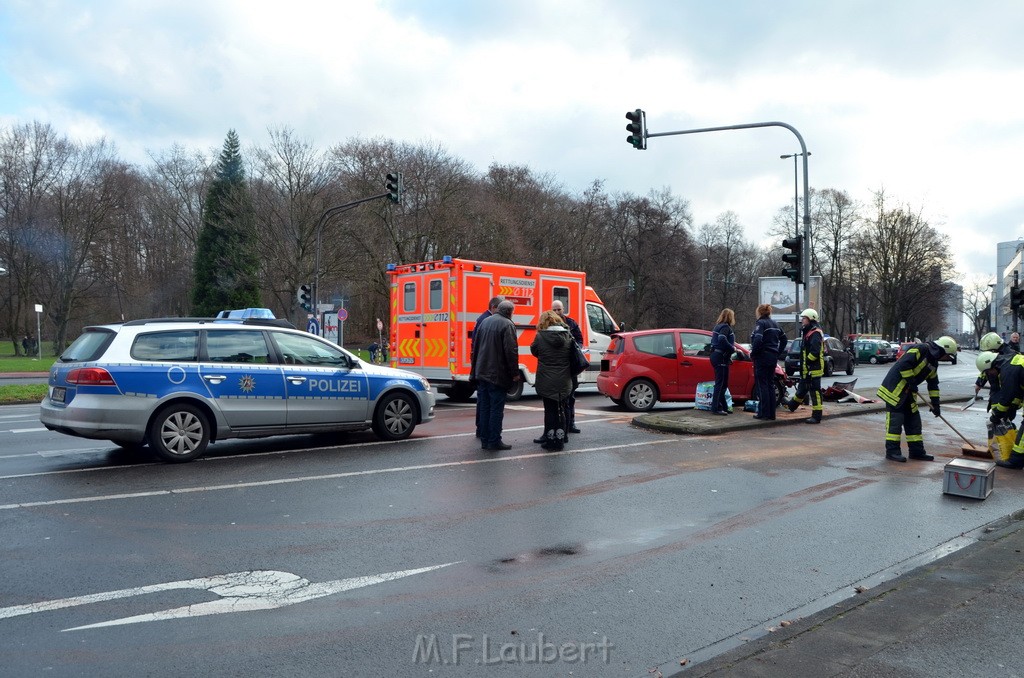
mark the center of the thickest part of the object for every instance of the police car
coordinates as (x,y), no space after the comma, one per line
(178,384)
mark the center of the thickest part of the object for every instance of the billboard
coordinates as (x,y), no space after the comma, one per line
(781,293)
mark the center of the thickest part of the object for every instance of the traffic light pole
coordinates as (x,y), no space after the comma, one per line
(319,228)
(806,250)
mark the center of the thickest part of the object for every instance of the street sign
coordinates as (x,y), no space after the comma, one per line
(380,325)
(312,326)
(342,314)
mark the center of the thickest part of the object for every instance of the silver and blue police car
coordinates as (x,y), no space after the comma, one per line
(178,384)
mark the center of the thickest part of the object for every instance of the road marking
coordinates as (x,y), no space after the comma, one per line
(327,476)
(238,591)
(26,430)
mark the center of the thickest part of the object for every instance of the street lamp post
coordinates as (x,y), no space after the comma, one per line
(703,284)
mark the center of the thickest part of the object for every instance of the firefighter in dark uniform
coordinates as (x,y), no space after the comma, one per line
(994,343)
(1010,371)
(899,391)
(812,366)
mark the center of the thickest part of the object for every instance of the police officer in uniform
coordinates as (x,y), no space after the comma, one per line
(766,341)
(812,366)
(899,390)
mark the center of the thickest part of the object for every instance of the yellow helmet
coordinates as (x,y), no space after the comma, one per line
(947,344)
(991,342)
(985,360)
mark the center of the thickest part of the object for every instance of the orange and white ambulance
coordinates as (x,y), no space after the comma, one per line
(435,304)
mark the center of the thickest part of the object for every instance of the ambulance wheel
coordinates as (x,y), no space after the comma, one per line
(395,417)
(460,392)
(640,395)
(516,391)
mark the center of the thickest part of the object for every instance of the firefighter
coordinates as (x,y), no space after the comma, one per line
(994,343)
(919,363)
(1010,371)
(812,366)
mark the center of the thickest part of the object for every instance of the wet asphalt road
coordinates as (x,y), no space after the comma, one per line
(631,548)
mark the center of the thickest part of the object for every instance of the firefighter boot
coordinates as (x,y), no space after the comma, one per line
(918,454)
(893,454)
(1016,461)
(792,405)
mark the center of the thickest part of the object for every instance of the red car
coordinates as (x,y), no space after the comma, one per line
(640,368)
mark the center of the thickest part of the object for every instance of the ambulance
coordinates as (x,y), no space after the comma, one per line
(435,304)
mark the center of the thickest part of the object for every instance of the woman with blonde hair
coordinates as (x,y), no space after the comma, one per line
(553,346)
(767,341)
(723,344)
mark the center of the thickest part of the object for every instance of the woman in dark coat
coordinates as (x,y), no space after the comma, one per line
(723,344)
(553,345)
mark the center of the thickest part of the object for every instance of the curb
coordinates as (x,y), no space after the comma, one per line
(699,422)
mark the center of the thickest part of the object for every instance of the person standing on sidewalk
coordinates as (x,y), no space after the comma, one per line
(766,342)
(723,344)
(552,345)
(577,335)
(1008,372)
(812,366)
(919,363)
(495,367)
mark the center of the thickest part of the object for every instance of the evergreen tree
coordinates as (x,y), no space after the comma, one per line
(227,264)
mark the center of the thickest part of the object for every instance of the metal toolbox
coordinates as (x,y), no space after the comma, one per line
(969,478)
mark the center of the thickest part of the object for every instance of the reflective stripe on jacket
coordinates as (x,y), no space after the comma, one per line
(812,362)
(907,373)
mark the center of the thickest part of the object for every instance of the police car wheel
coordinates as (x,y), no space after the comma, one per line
(395,417)
(179,433)
(640,395)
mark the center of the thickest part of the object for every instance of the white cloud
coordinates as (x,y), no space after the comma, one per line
(914,98)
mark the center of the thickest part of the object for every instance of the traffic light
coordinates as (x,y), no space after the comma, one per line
(793,259)
(393,185)
(305,296)
(637,129)
(1016,297)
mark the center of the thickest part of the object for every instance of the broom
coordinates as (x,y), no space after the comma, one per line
(970,451)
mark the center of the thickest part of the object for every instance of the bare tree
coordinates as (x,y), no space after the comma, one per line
(906,260)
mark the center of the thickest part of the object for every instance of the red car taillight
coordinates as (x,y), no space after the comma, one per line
(90,376)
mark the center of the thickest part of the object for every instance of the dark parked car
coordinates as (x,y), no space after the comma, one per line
(837,358)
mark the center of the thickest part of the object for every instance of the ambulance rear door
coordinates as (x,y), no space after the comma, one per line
(424,323)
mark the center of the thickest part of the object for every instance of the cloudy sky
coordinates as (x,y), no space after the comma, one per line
(919,98)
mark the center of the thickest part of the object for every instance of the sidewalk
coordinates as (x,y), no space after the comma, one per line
(958,616)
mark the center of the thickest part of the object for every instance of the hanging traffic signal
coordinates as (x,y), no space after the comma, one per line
(393,185)
(305,296)
(1016,297)
(793,259)
(637,129)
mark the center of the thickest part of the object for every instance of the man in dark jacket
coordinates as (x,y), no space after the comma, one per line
(492,308)
(812,366)
(919,363)
(495,367)
(577,336)
(766,342)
